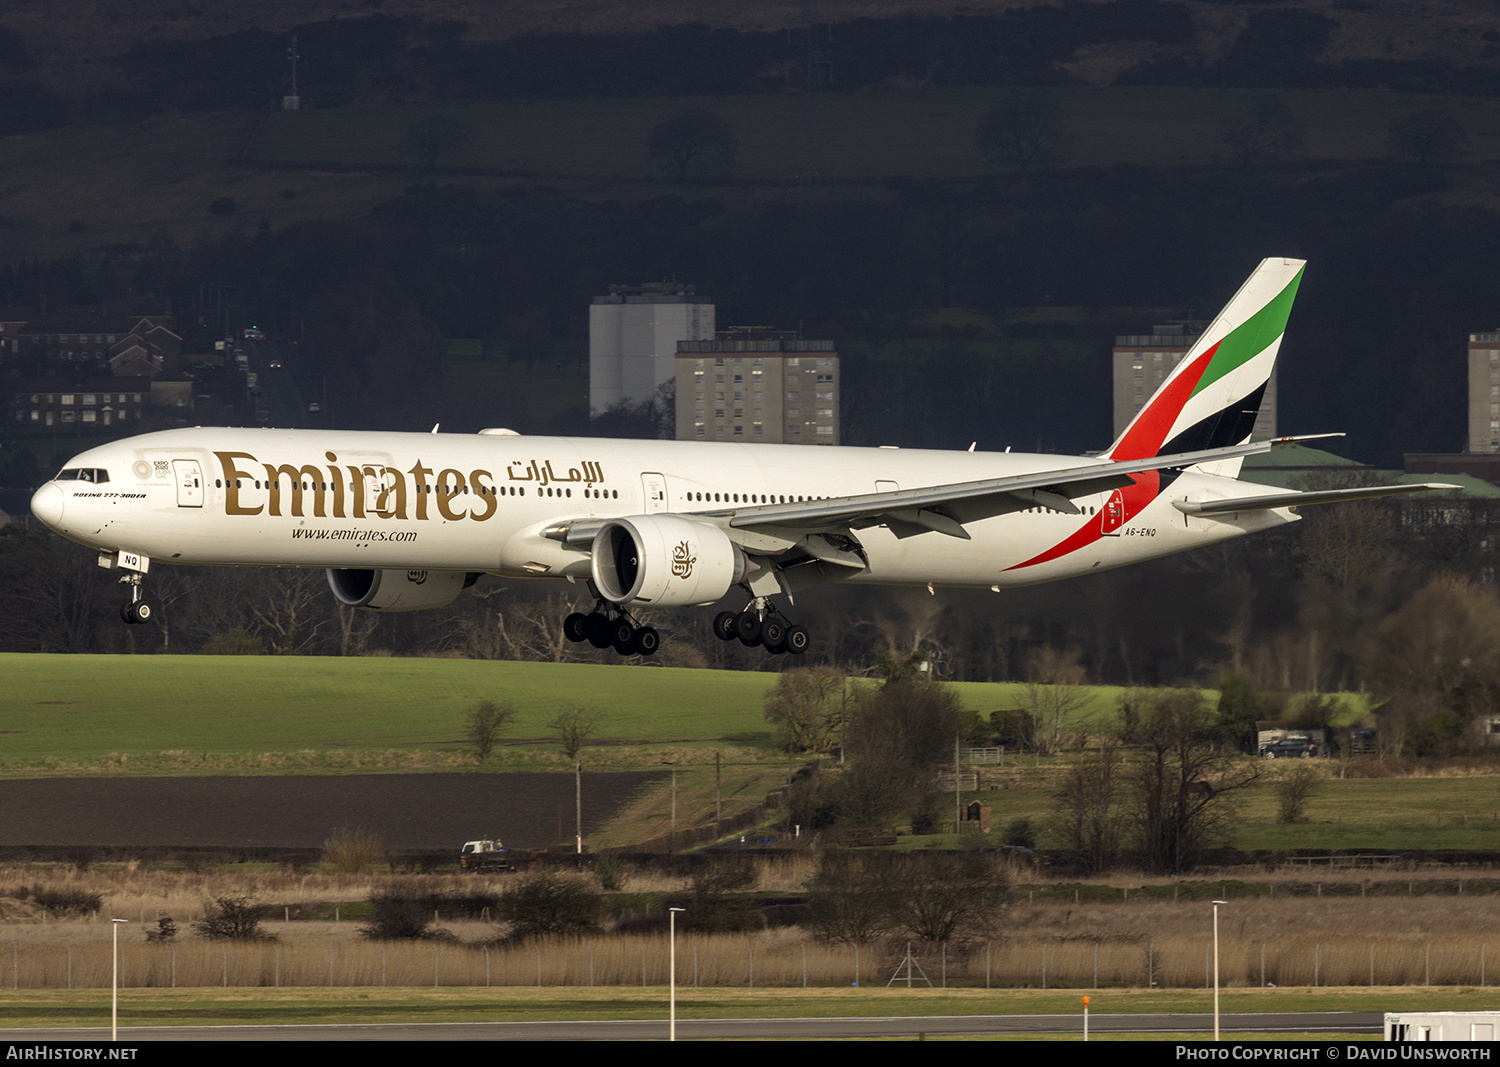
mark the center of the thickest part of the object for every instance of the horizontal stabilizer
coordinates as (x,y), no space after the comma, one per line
(1298,500)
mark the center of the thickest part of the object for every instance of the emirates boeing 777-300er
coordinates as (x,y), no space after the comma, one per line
(403,521)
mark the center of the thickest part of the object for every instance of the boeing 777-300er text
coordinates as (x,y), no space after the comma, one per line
(403,521)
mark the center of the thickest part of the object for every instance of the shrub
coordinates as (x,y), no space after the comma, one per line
(62,901)
(1020,831)
(1294,789)
(609,869)
(401,919)
(352,850)
(484,723)
(547,905)
(231,919)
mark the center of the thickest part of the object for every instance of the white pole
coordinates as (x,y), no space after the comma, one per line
(1216,966)
(672,980)
(114,1002)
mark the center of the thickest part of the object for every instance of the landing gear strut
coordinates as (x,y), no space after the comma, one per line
(761,624)
(135,610)
(610,626)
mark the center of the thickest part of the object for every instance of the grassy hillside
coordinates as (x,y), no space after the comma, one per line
(73,189)
(89,706)
(83,707)
(92,715)
(86,707)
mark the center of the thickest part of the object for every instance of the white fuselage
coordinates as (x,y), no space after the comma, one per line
(304,498)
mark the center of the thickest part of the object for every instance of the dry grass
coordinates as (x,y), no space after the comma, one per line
(1291,936)
(784,958)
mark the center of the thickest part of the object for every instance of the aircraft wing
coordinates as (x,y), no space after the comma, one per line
(945,508)
(1297,500)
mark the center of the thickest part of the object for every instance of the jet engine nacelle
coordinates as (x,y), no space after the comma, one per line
(398,590)
(664,560)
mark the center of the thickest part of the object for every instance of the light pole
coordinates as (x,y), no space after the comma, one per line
(1216,966)
(114,982)
(672,979)
(672,843)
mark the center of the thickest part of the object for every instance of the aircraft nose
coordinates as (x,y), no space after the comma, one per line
(47,504)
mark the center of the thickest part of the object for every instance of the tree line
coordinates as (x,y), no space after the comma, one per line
(379,58)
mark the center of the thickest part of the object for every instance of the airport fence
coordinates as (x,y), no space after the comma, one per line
(775,959)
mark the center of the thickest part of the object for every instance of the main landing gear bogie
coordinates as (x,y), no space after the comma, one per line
(761,625)
(610,627)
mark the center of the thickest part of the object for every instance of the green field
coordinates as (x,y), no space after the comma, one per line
(81,707)
(200,1007)
(88,706)
(154,715)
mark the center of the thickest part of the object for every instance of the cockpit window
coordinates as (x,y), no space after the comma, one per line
(83,474)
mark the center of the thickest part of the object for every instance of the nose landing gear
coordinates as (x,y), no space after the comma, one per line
(135,610)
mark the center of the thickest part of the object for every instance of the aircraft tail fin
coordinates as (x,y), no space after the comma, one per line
(1211,399)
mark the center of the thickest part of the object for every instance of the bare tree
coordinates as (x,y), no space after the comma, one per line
(1054,693)
(1088,809)
(1294,789)
(924,896)
(484,723)
(1262,128)
(431,137)
(846,905)
(574,727)
(806,708)
(1436,660)
(1183,786)
(1429,137)
(291,605)
(1025,132)
(693,140)
(527,629)
(937,897)
(355,628)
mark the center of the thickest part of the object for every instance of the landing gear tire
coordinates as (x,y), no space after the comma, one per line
(724,626)
(773,635)
(797,640)
(747,627)
(136,612)
(622,636)
(596,630)
(576,627)
(647,641)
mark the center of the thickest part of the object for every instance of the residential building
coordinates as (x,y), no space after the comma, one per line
(761,385)
(633,335)
(1484,393)
(1142,362)
(43,402)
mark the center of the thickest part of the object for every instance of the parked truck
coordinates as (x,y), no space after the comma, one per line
(485,854)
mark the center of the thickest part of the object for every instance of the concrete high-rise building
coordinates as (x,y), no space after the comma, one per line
(1142,362)
(756,384)
(633,335)
(1484,392)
